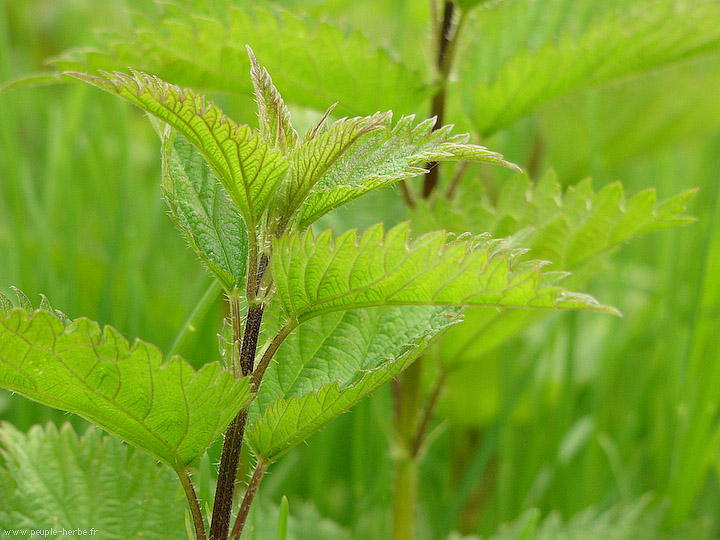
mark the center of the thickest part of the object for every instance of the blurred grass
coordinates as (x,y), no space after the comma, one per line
(589,411)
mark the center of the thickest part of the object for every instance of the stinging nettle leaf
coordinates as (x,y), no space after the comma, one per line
(163,407)
(288,421)
(207,52)
(202,210)
(274,116)
(321,148)
(53,479)
(247,167)
(316,275)
(384,156)
(618,44)
(573,228)
(341,346)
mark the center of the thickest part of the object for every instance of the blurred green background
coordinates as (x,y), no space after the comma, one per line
(581,411)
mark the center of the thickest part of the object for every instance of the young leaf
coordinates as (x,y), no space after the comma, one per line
(313,64)
(385,156)
(274,116)
(52,479)
(202,211)
(319,275)
(321,148)
(290,420)
(165,408)
(247,167)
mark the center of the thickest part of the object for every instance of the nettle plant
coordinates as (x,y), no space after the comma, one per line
(245,200)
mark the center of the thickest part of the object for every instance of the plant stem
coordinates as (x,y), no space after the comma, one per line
(407,406)
(193,502)
(230,458)
(247,501)
(406,475)
(447,34)
(227,473)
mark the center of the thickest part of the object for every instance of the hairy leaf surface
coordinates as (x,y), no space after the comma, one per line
(320,275)
(313,64)
(53,479)
(288,421)
(274,116)
(163,407)
(202,210)
(321,148)
(382,157)
(247,167)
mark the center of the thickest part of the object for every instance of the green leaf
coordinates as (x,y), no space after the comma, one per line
(247,167)
(321,148)
(163,407)
(314,64)
(383,157)
(52,479)
(621,42)
(572,228)
(274,116)
(202,210)
(319,275)
(288,421)
(338,347)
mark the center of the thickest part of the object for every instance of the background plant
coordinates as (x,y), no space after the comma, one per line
(608,443)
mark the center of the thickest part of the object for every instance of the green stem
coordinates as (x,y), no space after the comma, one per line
(404,498)
(193,502)
(408,402)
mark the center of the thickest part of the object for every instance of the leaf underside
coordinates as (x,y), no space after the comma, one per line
(316,275)
(52,479)
(163,407)
(202,210)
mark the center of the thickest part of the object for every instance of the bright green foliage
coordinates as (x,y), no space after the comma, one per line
(247,167)
(571,229)
(383,157)
(340,346)
(618,44)
(163,407)
(55,480)
(313,66)
(202,210)
(316,275)
(289,421)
